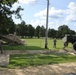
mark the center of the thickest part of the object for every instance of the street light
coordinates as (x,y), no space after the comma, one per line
(46,32)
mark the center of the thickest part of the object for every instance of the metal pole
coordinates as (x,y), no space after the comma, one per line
(46,32)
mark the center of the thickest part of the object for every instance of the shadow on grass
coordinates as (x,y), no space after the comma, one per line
(22,47)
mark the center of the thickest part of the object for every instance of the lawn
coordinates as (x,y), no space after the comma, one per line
(37,44)
(22,61)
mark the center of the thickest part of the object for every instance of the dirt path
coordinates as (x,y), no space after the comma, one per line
(38,51)
(57,69)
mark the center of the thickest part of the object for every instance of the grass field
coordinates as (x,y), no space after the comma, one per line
(22,61)
(37,44)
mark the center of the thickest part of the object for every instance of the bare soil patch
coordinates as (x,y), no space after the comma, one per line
(57,69)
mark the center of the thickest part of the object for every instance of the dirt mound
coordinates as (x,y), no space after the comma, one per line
(12,38)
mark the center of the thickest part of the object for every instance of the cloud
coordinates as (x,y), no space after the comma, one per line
(71,12)
(41,13)
(71,18)
(38,22)
(72,6)
(53,25)
(15,5)
(75,26)
(26,1)
(53,13)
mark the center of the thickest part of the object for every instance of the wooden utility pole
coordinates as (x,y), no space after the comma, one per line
(46,32)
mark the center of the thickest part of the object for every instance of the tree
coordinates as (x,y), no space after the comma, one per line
(6,22)
(42,31)
(12,27)
(52,33)
(7,26)
(62,30)
(72,32)
(31,31)
(37,31)
(22,29)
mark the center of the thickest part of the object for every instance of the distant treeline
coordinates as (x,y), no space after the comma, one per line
(27,30)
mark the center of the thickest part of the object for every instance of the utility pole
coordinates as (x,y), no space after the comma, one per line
(46,32)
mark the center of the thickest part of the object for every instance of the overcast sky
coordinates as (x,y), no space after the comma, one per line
(60,12)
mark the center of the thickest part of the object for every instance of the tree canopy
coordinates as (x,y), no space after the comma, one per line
(6,21)
(28,30)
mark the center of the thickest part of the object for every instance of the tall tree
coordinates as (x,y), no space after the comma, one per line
(72,32)
(22,29)
(62,30)
(52,33)
(42,31)
(37,31)
(31,31)
(6,15)
(11,27)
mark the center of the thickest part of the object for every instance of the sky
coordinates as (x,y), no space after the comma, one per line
(61,12)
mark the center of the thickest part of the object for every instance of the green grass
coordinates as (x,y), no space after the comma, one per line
(37,44)
(21,61)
